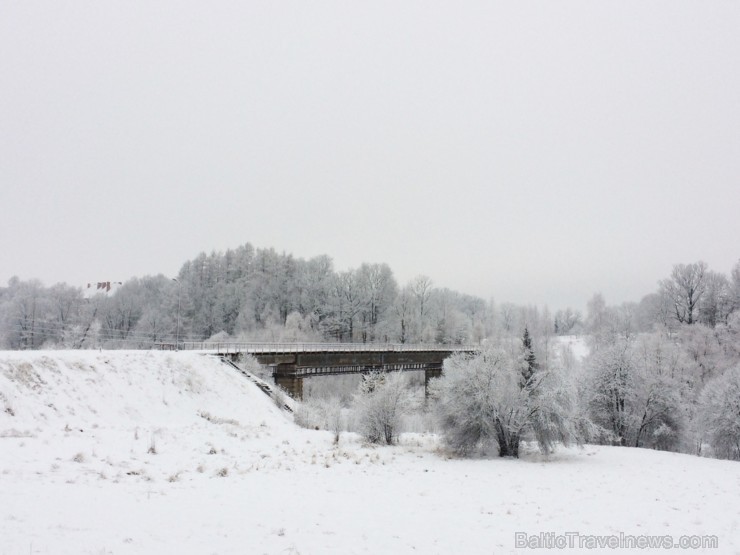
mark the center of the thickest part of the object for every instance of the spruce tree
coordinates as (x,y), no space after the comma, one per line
(529,358)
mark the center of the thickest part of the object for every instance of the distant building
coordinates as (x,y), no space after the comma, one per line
(101,287)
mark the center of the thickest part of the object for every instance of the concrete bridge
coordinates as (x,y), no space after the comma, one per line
(291,363)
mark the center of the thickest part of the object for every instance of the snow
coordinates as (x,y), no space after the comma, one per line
(577,343)
(231,473)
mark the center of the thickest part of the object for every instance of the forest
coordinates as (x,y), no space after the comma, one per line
(253,294)
(244,294)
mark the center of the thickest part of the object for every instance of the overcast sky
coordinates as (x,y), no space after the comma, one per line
(534,152)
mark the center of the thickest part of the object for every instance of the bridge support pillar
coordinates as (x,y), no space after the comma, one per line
(291,384)
(430,373)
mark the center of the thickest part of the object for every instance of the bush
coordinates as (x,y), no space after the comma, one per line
(381,401)
(325,414)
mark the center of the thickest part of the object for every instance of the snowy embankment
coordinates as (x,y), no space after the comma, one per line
(150,452)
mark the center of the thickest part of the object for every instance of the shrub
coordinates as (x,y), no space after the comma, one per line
(381,401)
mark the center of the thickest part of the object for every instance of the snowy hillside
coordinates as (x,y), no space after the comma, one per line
(151,452)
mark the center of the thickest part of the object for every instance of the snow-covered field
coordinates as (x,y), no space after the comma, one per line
(577,344)
(151,452)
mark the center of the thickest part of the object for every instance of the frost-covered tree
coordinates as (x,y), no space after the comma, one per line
(716,304)
(297,328)
(530,361)
(636,391)
(380,403)
(493,399)
(141,312)
(378,290)
(654,311)
(347,304)
(612,389)
(26,313)
(421,290)
(596,314)
(605,324)
(402,313)
(315,282)
(735,288)
(64,314)
(684,290)
(662,400)
(566,321)
(509,317)
(719,412)
(452,324)
(702,346)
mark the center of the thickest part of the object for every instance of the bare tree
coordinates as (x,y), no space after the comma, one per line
(421,288)
(685,288)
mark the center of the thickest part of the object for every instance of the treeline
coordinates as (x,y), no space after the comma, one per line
(261,294)
(250,294)
(244,294)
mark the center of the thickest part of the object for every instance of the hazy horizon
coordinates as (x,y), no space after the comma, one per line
(533,153)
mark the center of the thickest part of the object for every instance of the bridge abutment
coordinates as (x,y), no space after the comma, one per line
(292,385)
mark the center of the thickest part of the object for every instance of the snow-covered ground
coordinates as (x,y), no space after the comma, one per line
(151,452)
(576,343)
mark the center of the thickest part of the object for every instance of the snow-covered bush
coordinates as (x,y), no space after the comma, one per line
(307,414)
(380,403)
(343,387)
(220,337)
(719,413)
(324,414)
(495,398)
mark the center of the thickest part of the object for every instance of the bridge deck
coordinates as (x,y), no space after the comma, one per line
(285,348)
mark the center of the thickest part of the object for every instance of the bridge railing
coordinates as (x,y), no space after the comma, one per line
(235,348)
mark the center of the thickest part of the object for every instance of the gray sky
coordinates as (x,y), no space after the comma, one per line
(536,152)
